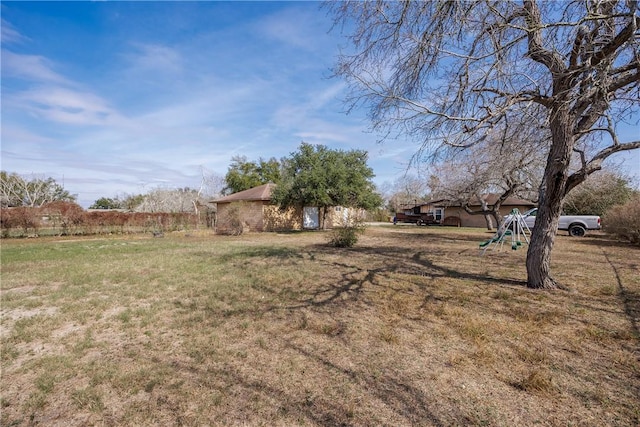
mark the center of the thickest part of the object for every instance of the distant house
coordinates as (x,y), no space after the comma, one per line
(252,210)
(446,212)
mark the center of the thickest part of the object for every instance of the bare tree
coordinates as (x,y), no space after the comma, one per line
(211,186)
(447,73)
(168,200)
(407,189)
(163,199)
(506,163)
(33,191)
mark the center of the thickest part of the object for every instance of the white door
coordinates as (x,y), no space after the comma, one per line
(310,218)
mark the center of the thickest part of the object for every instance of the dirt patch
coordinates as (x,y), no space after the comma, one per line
(26,289)
(18,313)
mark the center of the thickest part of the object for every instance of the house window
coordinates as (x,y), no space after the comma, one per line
(438,214)
(338,208)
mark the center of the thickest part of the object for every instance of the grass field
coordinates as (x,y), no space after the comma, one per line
(410,327)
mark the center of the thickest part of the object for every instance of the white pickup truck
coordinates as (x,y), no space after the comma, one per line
(576,225)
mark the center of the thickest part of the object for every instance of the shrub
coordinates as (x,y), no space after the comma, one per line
(7,221)
(598,194)
(623,221)
(345,237)
(67,216)
(379,215)
(234,222)
(25,218)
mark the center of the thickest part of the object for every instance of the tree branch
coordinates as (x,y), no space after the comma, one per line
(536,51)
(622,37)
(595,164)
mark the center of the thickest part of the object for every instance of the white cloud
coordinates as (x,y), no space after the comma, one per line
(25,136)
(293,26)
(29,67)
(154,58)
(50,95)
(297,111)
(66,106)
(10,35)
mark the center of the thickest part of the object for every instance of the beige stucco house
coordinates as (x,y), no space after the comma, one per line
(451,213)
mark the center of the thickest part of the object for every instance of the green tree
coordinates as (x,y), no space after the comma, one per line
(124,201)
(243,174)
(130,201)
(106,203)
(319,176)
(598,194)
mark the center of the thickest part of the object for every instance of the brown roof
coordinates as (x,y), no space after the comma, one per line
(510,201)
(262,192)
(490,198)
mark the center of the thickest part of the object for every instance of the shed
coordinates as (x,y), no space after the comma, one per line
(252,210)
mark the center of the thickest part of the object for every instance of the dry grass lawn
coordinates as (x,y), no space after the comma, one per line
(410,327)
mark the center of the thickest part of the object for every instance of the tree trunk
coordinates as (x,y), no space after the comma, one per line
(499,219)
(195,208)
(550,203)
(489,219)
(539,255)
(323,218)
(487,213)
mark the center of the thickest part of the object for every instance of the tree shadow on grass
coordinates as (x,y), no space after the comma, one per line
(250,390)
(245,390)
(278,252)
(391,388)
(630,298)
(354,276)
(604,240)
(396,260)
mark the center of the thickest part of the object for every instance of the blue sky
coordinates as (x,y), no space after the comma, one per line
(122,97)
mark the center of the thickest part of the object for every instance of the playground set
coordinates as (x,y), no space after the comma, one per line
(514,230)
